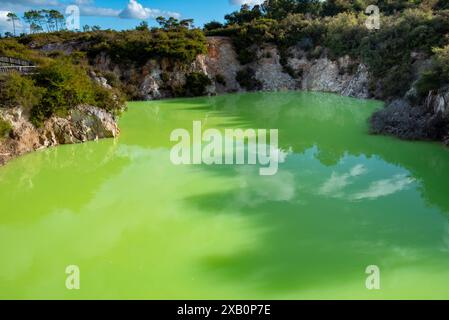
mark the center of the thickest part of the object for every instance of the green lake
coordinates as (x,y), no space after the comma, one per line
(140,227)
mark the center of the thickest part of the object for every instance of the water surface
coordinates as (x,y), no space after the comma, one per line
(141,228)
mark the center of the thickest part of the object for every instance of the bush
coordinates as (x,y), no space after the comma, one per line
(250,35)
(196,84)
(109,100)
(438,75)
(246,78)
(5,128)
(442,61)
(138,46)
(429,80)
(344,34)
(220,79)
(66,86)
(112,79)
(17,90)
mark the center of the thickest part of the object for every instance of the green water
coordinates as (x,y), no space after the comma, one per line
(140,227)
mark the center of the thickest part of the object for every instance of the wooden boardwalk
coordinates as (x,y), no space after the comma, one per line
(8,65)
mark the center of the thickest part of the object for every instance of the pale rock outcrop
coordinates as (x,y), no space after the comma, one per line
(438,101)
(269,71)
(326,75)
(84,123)
(221,60)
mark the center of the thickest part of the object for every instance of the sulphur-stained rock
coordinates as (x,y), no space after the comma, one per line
(82,124)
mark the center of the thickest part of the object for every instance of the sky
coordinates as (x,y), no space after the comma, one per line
(124,14)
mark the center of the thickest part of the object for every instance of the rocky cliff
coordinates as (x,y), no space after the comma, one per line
(159,79)
(82,124)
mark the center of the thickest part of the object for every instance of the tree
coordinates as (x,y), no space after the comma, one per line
(167,24)
(96,28)
(186,23)
(35,28)
(86,28)
(279,9)
(55,18)
(34,17)
(13,18)
(213,25)
(8,35)
(246,14)
(143,26)
(334,7)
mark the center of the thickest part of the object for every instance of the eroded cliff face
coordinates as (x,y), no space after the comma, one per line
(84,123)
(159,79)
(320,74)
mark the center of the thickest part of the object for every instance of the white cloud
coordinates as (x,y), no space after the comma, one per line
(135,10)
(250,2)
(337,182)
(384,187)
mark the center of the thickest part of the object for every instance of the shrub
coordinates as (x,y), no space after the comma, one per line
(438,75)
(442,60)
(213,25)
(109,100)
(220,79)
(246,78)
(429,80)
(5,128)
(67,85)
(196,84)
(17,90)
(250,35)
(138,46)
(12,48)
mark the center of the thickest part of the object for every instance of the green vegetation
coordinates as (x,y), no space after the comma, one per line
(220,79)
(17,90)
(337,27)
(66,85)
(174,40)
(246,78)
(59,85)
(438,75)
(196,84)
(5,128)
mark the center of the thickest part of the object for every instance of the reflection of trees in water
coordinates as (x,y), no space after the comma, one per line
(336,127)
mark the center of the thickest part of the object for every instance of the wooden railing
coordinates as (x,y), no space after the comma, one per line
(8,65)
(19,69)
(8,61)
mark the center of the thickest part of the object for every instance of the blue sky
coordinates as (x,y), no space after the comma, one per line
(125,14)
